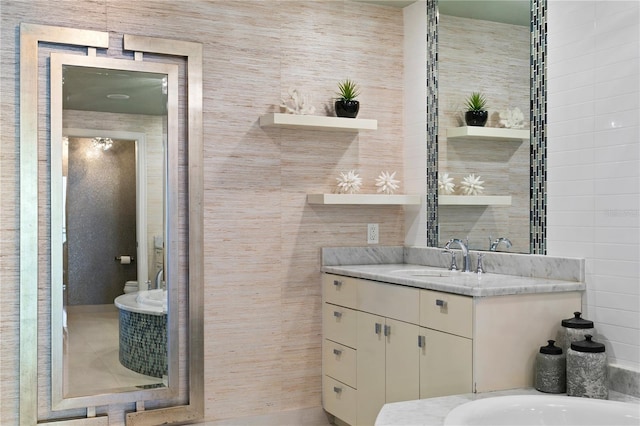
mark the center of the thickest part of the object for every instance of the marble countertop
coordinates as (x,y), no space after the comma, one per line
(468,284)
(432,411)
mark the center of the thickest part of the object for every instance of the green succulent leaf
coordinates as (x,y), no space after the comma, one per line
(476,102)
(347,90)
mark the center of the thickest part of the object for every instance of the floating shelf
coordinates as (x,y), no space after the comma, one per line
(316,122)
(474,200)
(487,133)
(355,199)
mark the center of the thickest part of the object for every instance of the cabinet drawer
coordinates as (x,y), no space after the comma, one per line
(340,324)
(446,312)
(389,300)
(339,362)
(339,400)
(339,290)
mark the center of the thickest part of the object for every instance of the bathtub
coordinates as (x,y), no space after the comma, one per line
(143,331)
(543,410)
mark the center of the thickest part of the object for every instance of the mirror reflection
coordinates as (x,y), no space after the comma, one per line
(113,203)
(484,47)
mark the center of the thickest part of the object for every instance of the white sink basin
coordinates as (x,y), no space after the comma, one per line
(425,272)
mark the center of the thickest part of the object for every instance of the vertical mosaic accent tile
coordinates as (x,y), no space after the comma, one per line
(432,124)
(143,343)
(538,173)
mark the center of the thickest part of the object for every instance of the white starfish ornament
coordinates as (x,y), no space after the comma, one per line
(446,185)
(386,182)
(472,185)
(349,183)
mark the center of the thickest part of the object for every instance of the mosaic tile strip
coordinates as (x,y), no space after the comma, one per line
(538,172)
(432,124)
(143,343)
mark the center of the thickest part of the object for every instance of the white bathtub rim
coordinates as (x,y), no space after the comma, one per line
(475,409)
(129,302)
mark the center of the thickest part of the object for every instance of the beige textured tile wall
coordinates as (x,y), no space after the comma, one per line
(262,242)
(492,58)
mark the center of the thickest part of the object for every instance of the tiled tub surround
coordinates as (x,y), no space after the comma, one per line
(143,342)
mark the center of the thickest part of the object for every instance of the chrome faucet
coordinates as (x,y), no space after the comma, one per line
(465,253)
(159,279)
(493,245)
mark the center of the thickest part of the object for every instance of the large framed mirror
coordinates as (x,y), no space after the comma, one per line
(497,48)
(113,328)
(148,235)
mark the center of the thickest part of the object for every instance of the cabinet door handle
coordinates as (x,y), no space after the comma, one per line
(337,314)
(337,352)
(337,283)
(440,302)
(421,341)
(337,389)
(378,328)
(387,330)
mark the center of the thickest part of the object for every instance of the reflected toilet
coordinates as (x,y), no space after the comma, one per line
(130,287)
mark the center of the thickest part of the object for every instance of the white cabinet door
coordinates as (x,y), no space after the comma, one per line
(445,364)
(402,361)
(370,367)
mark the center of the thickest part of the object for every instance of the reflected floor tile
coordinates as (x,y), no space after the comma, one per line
(92,355)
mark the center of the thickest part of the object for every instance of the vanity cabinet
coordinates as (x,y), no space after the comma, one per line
(386,342)
(446,330)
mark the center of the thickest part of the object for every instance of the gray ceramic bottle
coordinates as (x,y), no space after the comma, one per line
(587,369)
(551,369)
(573,330)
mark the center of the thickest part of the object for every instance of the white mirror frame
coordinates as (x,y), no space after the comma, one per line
(30,37)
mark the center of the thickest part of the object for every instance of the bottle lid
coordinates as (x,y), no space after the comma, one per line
(577,322)
(550,349)
(587,345)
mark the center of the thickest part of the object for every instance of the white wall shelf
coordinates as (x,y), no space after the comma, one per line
(474,200)
(487,133)
(358,199)
(316,122)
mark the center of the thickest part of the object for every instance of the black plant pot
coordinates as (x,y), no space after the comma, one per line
(346,108)
(476,118)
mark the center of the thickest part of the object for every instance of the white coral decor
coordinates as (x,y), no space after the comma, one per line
(446,185)
(512,118)
(472,185)
(298,103)
(386,182)
(349,183)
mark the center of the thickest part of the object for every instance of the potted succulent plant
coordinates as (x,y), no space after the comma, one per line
(476,114)
(346,104)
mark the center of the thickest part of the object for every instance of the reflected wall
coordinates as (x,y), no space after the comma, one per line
(493,58)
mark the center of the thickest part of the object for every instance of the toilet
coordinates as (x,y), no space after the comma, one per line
(131,287)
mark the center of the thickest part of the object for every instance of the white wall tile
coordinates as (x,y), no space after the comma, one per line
(597,193)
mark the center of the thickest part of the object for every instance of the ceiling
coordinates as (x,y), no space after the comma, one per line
(105,90)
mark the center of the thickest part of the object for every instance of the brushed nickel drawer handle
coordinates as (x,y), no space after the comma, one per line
(421,341)
(337,352)
(337,314)
(440,302)
(337,283)
(337,389)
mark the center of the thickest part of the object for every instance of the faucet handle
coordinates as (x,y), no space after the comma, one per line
(480,268)
(453,266)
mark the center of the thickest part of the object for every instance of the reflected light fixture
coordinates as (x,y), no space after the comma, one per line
(102,143)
